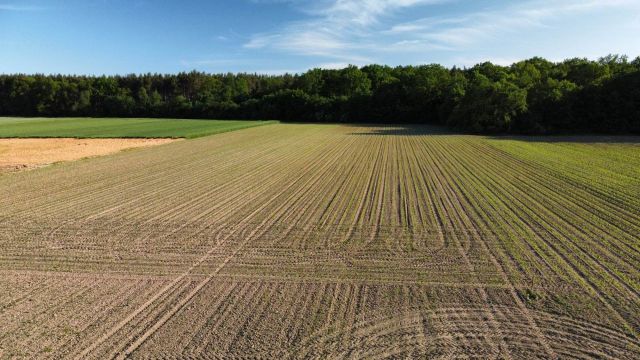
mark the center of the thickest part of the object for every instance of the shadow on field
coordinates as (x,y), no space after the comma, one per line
(434,130)
(401,130)
(576,139)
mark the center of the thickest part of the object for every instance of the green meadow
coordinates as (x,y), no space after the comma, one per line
(117,127)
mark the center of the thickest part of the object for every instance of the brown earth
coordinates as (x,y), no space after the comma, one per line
(23,154)
(323,241)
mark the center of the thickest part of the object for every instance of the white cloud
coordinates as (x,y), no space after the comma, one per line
(274,72)
(458,32)
(366,12)
(471,61)
(342,32)
(12,7)
(332,65)
(424,24)
(261,41)
(339,29)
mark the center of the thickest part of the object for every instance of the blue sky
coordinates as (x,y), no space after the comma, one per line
(276,36)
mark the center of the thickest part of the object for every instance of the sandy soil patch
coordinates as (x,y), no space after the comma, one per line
(24,154)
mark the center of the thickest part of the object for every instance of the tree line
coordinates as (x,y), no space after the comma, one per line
(531,96)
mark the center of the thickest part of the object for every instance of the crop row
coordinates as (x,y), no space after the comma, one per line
(324,240)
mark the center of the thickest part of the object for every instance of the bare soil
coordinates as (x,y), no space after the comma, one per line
(325,242)
(24,154)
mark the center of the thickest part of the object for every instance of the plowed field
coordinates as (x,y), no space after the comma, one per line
(25,154)
(327,241)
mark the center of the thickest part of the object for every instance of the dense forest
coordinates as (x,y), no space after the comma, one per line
(531,96)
